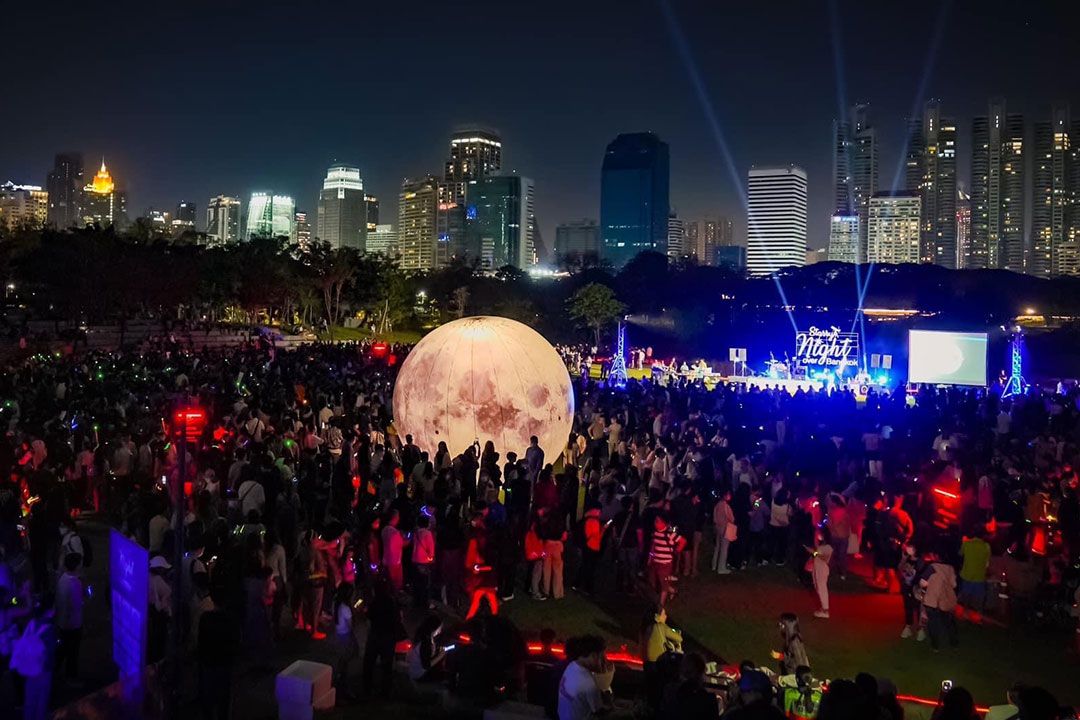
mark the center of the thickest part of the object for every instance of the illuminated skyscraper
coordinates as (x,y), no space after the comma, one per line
(303,228)
(342,217)
(184,221)
(855,168)
(223,220)
(932,168)
(844,239)
(776,219)
(270,216)
(474,154)
(997,190)
(500,221)
(691,233)
(634,201)
(102,203)
(383,239)
(64,186)
(676,237)
(372,211)
(577,237)
(1055,249)
(417,242)
(894,234)
(963,228)
(23,205)
(717,233)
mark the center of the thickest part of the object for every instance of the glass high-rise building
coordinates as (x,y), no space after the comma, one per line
(931,172)
(303,228)
(500,221)
(1055,246)
(342,214)
(372,212)
(895,232)
(845,243)
(577,238)
(963,228)
(855,168)
(270,216)
(417,240)
(223,220)
(383,239)
(634,200)
(676,237)
(474,154)
(997,190)
(64,185)
(776,219)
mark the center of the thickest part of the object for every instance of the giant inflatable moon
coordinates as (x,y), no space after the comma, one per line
(484,378)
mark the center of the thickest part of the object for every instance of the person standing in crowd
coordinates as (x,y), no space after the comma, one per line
(423,561)
(975,556)
(70,593)
(393,547)
(940,602)
(593,533)
(726,532)
(665,546)
(480,578)
(818,567)
(534,458)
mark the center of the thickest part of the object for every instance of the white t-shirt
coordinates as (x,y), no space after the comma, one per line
(579,696)
(343,620)
(252,497)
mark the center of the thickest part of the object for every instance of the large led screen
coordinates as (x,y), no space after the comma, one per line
(947,358)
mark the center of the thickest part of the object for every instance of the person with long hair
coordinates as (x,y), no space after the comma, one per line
(793,655)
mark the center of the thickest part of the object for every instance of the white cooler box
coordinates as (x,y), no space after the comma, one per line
(304,687)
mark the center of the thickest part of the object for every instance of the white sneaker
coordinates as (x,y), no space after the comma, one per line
(921,636)
(823,614)
(723,571)
(906,632)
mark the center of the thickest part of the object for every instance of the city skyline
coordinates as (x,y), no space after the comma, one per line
(774,97)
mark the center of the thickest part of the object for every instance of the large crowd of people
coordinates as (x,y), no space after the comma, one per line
(306,511)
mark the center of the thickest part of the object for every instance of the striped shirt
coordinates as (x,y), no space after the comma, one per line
(662,550)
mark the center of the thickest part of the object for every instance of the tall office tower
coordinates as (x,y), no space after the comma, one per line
(676,237)
(1054,248)
(417,242)
(894,235)
(270,216)
(223,220)
(342,214)
(691,234)
(102,203)
(577,238)
(844,239)
(23,205)
(935,165)
(717,233)
(372,204)
(184,220)
(776,219)
(159,222)
(303,228)
(64,185)
(474,154)
(855,168)
(185,212)
(997,189)
(634,201)
(383,239)
(500,221)
(963,229)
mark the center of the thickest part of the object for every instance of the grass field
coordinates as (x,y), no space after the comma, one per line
(734,617)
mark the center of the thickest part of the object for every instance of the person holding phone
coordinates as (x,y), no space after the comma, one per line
(426,659)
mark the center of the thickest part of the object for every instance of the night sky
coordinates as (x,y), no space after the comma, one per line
(228,97)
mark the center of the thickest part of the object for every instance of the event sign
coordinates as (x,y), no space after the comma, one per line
(827,348)
(129,575)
